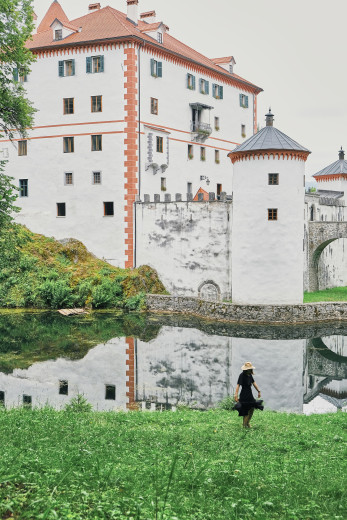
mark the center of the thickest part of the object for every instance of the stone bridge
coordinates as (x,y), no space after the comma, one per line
(320,234)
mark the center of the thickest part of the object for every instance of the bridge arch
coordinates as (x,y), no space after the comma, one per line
(321,234)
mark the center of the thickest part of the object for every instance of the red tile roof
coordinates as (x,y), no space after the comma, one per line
(108,24)
(222,60)
(200,190)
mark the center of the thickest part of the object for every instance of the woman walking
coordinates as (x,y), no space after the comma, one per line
(247,403)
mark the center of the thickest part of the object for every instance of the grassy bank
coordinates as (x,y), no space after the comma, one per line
(178,466)
(40,272)
(337,294)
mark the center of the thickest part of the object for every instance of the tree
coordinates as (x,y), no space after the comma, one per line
(16,25)
(8,197)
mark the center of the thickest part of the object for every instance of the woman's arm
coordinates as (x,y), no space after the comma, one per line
(256,387)
(237,392)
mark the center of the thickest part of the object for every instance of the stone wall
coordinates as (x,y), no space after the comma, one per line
(305,313)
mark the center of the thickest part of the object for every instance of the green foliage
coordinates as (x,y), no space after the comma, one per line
(16,25)
(136,302)
(78,404)
(337,294)
(8,196)
(171,466)
(107,294)
(227,403)
(56,294)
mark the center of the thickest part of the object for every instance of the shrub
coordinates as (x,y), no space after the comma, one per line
(135,303)
(56,294)
(107,294)
(227,403)
(78,404)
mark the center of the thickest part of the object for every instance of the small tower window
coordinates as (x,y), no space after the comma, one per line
(190,152)
(27,401)
(110,392)
(243,130)
(63,387)
(272,214)
(163,184)
(160,37)
(58,34)
(273,178)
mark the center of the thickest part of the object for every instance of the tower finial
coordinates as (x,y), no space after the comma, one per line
(269,118)
(341,154)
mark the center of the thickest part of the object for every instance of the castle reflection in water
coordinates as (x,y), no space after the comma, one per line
(298,370)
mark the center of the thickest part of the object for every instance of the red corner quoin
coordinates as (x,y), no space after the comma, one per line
(130,150)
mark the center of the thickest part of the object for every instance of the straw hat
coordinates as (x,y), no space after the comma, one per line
(247,366)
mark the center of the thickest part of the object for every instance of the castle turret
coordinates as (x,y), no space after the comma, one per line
(268,218)
(334,176)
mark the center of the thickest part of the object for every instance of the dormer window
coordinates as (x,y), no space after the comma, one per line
(160,37)
(231,68)
(58,34)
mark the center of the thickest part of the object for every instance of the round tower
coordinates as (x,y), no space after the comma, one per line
(268,218)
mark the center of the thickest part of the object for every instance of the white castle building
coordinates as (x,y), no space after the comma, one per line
(129,154)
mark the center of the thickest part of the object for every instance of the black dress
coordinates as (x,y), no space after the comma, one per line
(246,397)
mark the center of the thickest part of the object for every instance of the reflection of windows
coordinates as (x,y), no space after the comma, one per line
(68,144)
(110,392)
(96,102)
(58,34)
(159,144)
(68,105)
(61,209)
(23,188)
(96,143)
(96,177)
(273,178)
(154,106)
(94,64)
(66,68)
(191,81)
(156,68)
(22,148)
(272,214)
(108,209)
(63,387)
(243,101)
(68,178)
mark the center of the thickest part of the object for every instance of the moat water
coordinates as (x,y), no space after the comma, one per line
(158,362)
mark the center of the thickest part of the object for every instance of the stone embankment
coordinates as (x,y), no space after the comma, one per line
(222,311)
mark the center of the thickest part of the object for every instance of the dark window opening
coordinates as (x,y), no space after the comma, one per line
(273,178)
(2,398)
(23,188)
(159,144)
(61,209)
(96,103)
(272,214)
(110,392)
(108,209)
(27,400)
(96,143)
(58,34)
(189,188)
(68,144)
(63,387)
(219,191)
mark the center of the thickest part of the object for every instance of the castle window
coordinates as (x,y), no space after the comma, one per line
(108,209)
(66,68)
(156,68)
(243,130)
(68,144)
(216,157)
(63,387)
(273,178)
(27,401)
(61,209)
(190,152)
(96,143)
(202,153)
(96,177)
(68,105)
(217,91)
(243,101)
(189,188)
(160,37)
(94,64)
(154,106)
(23,187)
(20,75)
(219,191)
(159,144)
(96,103)
(68,178)
(190,81)
(110,392)
(22,148)
(272,214)
(204,86)
(216,123)
(58,34)
(163,184)
(2,397)
(231,68)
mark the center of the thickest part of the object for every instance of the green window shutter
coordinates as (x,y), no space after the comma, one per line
(152,67)
(101,64)
(61,68)
(200,85)
(220,92)
(214,89)
(15,74)
(88,65)
(193,82)
(159,69)
(240,100)
(246,101)
(188,80)
(207,87)
(73,67)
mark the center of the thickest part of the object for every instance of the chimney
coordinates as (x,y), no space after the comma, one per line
(148,17)
(269,118)
(133,10)
(341,155)
(94,7)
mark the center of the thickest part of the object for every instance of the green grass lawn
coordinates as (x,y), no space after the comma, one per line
(174,466)
(337,294)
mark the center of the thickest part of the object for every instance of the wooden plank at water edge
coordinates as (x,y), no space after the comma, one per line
(72,312)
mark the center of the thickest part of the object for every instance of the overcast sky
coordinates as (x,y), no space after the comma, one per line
(295,50)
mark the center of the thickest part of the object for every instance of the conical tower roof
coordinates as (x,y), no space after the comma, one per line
(336,168)
(55,11)
(269,138)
